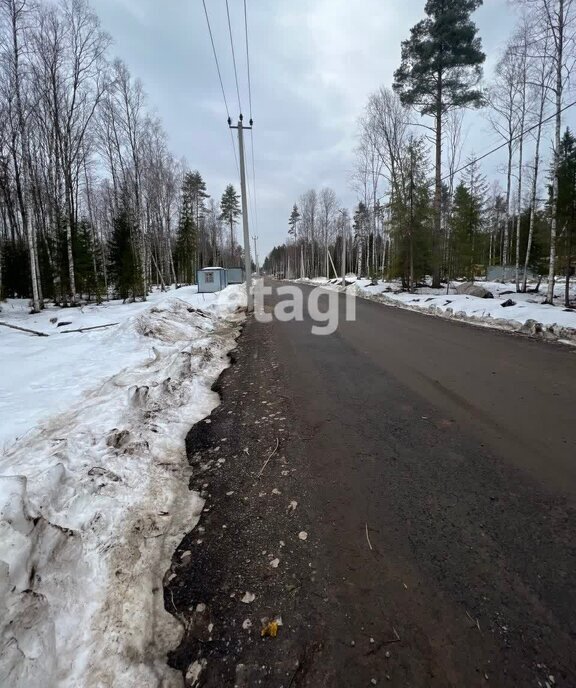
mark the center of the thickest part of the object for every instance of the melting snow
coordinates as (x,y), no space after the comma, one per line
(93,483)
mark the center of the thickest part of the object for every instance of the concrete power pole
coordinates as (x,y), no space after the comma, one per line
(247,259)
(255,239)
(344,237)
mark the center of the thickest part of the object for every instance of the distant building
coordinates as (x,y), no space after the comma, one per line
(507,273)
(211,279)
(236,275)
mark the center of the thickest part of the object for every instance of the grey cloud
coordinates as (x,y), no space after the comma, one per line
(313,67)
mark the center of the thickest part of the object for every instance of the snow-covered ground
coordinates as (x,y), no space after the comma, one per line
(94,481)
(528,313)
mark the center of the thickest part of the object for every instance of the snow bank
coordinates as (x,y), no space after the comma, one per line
(528,314)
(94,500)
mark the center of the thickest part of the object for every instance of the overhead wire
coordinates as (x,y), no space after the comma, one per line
(216,59)
(502,145)
(220,80)
(254,180)
(233,56)
(248,59)
(254,196)
(511,140)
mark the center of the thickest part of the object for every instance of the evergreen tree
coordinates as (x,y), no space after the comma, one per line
(84,257)
(229,212)
(16,269)
(496,221)
(439,71)
(123,269)
(194,188)
(566,206)
(467,240)
(187,235)
(293,221)
(361,223)
(410,215)
(464,224)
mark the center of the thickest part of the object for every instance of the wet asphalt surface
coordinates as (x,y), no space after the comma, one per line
(431,464)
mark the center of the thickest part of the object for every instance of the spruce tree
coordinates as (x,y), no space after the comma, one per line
(84,252)
(194,188)
(187,235)
(440,69)
(566,206)
(463,225)
(410,215)
(229,212)
(467,239)
(123,269)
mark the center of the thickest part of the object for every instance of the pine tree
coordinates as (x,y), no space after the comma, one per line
(293,221)
(440,71)
(229,212)
(360,224)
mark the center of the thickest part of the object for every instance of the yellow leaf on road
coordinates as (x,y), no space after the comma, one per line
(270,629)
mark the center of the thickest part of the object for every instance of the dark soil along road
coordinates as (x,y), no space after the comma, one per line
(434,469)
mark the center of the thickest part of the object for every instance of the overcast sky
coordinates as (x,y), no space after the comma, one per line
(313,65)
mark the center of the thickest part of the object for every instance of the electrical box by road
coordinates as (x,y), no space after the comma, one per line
(211,279)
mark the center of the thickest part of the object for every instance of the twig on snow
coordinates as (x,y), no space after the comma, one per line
(86,329)
(25,329)
(271,455)
(368,538)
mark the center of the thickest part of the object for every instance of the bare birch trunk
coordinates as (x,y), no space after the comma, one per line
(557,137)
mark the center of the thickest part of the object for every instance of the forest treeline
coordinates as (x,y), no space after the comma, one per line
(422,209)
(92,202)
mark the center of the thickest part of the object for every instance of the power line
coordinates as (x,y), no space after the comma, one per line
(502,145)
(216,58)
(511,140)
(254,179)
(233,55)
(221,83)
(235,154)
(254,200)
(248,62)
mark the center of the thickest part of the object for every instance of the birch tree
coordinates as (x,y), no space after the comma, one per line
(14,15)
(328,209)
(540,81)
(557,17)
(503,115)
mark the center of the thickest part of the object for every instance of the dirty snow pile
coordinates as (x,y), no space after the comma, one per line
(526,314)
(94,492)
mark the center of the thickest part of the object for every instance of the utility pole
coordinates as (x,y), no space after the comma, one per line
(344,233)
(247,260)
(255,239)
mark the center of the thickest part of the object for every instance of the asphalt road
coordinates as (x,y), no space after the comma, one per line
(435,465)
(516,395)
